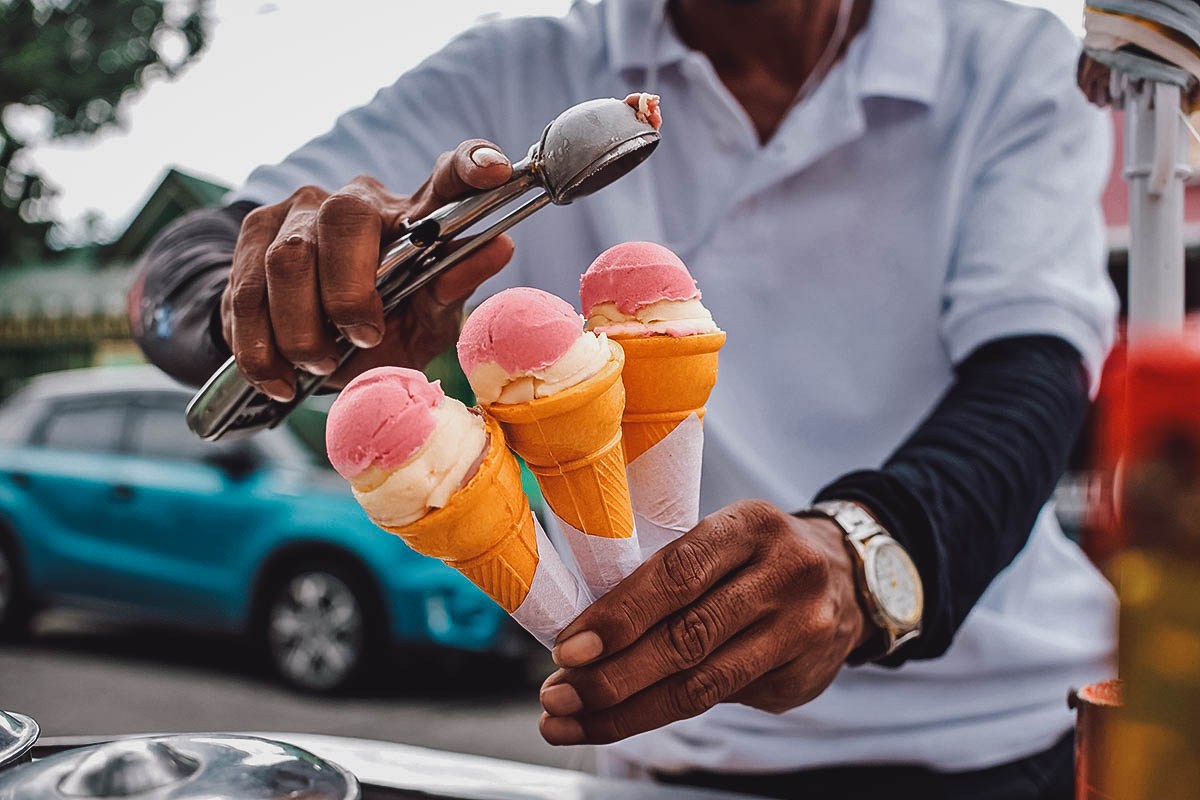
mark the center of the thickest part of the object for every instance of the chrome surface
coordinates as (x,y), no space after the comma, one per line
(429,773)
(315,630)
(584,149)
(184,767)
(17,735)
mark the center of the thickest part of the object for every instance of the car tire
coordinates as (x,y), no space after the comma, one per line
(16,607)
(319,625)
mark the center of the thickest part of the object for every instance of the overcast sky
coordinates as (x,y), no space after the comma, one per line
(274,75)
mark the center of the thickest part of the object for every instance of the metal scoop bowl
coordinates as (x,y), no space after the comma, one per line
(584,149)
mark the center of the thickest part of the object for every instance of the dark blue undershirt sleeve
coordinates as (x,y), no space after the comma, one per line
(962,493)
(174,305)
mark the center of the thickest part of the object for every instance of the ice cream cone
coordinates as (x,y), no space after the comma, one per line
(486,531)
(666,378)
(571,441)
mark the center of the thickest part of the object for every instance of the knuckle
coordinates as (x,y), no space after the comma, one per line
(291,257)
(690,637)
(255,360)
(259,222)
(825,619)
(248,296)
(760,516)
(366,181)
(307,195)
(344,208)
(684,568)
(601,688)
(702,690)
(623,623)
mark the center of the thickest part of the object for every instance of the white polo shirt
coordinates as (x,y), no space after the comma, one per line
(939,189)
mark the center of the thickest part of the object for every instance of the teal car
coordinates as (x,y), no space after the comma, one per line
(108,502)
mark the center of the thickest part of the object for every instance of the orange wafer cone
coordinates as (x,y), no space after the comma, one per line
(571,441)
(486,531)
(666,378)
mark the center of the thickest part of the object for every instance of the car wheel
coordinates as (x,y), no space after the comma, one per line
(15,608)
(319,631)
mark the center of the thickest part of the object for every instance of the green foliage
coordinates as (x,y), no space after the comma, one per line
(71,62)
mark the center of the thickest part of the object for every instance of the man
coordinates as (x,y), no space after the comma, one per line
(891,207)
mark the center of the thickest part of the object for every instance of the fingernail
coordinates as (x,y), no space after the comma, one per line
(578,650)
(363,335)
(279,390)
(326,366)
(561,730)
(561,700)
(488,157)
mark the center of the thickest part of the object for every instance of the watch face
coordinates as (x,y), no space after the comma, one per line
(893,581)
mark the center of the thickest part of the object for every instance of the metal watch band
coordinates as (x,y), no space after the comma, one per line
(858,526)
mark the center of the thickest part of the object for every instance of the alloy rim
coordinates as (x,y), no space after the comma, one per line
(316,630)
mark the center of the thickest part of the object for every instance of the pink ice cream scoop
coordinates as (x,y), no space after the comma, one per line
(521,329)
(524,343)
(642,289)
(633,275)
(380,419)
(647,107)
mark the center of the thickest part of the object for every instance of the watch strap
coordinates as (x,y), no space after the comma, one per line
(858,526)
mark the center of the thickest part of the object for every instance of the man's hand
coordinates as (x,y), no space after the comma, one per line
(752,606)
(304,269)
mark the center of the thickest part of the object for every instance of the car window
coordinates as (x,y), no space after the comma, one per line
(162,432)
(95,429)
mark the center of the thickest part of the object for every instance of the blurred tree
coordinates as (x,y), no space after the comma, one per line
(65,66)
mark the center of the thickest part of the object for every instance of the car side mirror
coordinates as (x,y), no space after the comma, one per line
(236,462)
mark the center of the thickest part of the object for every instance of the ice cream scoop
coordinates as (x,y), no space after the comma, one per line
(647,107)
(642,296)
(642,289)
(556,391)
(440,476)
(404,446)
(524,343)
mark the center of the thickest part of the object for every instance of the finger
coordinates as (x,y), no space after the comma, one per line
(250,330)
(687,694)
(349,234)
(794,683)
(671,579)
(473,165)
(297,321)
(678,643)
(460,282)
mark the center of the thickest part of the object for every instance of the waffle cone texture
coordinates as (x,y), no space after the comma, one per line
(486,531)
(666,378)
(571,441)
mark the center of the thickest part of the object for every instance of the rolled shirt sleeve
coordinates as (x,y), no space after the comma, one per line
(1030,253)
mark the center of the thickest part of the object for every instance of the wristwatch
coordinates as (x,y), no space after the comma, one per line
(889,586)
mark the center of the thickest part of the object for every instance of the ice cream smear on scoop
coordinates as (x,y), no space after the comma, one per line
(524,343)
(642,289)
(404,446)
(647,107)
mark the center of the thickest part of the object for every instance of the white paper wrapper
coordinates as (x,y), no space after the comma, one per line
(664,485)
(602,562)
(555,596)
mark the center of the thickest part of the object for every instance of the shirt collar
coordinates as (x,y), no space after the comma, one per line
(904,49)
(639,34)
(905,41)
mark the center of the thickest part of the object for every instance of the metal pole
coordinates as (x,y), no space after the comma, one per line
(1156,164)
